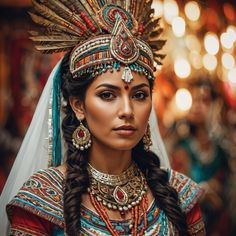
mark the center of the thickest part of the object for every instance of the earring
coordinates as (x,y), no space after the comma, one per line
(81,137)
(147,139)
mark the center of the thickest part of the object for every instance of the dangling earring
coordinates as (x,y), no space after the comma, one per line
(81,137)
(147,139)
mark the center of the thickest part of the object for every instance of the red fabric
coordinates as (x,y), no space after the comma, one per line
(3,179)
(194,215)
(30,221)
(43,227)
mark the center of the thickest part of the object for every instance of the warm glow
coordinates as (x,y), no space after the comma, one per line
(231,31)
(171,10)
(226,40)
(228,61)
(178,26)
(183,99)
(182,68)
(196,59)
(192,10)
(211,43)
(232,76)
(158,67)
(209,62)
(192,43)
(158,8)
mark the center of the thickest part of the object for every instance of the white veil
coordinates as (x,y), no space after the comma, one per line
(33,154)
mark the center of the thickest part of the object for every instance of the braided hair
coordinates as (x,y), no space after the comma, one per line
(77,179)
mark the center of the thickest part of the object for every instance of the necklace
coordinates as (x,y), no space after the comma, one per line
(118,192)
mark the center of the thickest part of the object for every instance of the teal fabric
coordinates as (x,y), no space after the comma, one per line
(56,101)
(202,171)
(58,232)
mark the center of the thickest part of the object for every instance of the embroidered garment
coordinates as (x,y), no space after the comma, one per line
(41,196)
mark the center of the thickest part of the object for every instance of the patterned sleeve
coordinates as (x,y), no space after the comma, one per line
(40,197)
(188,191)
(195,222)
(27,224)
(189,194)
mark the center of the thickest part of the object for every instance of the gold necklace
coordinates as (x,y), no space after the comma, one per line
(118,192)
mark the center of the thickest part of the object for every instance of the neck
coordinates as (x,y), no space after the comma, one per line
(109,161)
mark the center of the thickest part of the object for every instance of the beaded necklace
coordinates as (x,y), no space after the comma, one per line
(125,192)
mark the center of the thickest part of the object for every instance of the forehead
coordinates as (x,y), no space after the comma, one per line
(115,78)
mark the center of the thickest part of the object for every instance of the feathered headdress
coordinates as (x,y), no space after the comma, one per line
(102,33)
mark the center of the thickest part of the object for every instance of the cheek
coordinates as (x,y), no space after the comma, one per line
(142,115)
(98,114)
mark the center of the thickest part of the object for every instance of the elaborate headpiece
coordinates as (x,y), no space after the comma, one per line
(101,34)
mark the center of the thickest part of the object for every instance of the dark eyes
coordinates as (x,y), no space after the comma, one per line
(140,95)
(108,96)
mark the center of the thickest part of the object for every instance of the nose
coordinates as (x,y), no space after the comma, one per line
(126,109)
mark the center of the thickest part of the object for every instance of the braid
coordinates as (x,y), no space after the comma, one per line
(77,179)
(165,195)
(76,183)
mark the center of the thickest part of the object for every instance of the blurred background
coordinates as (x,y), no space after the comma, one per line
(195,95)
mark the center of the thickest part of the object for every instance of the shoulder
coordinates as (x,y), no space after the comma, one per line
(42,195)
(188,191)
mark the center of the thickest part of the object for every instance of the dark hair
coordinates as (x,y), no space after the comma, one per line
(204,83)
(77,179)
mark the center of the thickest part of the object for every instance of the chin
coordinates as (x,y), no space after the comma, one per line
(125,146)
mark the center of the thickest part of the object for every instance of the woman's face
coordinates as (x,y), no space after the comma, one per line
(117,113)
(201,106)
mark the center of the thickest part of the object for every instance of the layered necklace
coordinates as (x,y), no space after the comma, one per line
(124,192)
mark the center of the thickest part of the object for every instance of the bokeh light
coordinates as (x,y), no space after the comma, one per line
(226,40)
(183,99)
(182,68)
(158,8)
(192,42)
(178,26)
(228,61)
(195,59)
(232,76)
(171,10)
(211,43)
(231,31)
(192,10)
(209,62)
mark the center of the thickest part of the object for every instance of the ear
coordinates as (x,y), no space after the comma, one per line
(78,107)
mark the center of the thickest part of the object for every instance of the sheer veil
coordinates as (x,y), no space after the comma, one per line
(33,154)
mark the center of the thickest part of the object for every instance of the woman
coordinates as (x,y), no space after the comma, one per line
(111,183)
(200,156)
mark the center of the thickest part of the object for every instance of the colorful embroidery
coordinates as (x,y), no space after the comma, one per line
(20,230)
(42,195)
(189,192)
(197,227)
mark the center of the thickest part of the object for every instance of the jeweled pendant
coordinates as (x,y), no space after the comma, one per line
(120,196)
(127,76)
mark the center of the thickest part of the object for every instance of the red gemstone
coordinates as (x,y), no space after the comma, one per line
(81,133)
(120,195)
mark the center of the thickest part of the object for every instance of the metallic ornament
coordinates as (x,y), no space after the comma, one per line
(81,137)
(127,76)
(123,46)
(118,192)
(147,139)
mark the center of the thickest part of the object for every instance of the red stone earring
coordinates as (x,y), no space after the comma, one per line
(81,137)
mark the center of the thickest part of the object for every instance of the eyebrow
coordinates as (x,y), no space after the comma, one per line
(118,88)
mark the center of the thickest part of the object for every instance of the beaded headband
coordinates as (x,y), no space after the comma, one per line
(103,35)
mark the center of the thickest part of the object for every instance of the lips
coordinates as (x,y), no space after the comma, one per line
(125,127)
(125,130)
